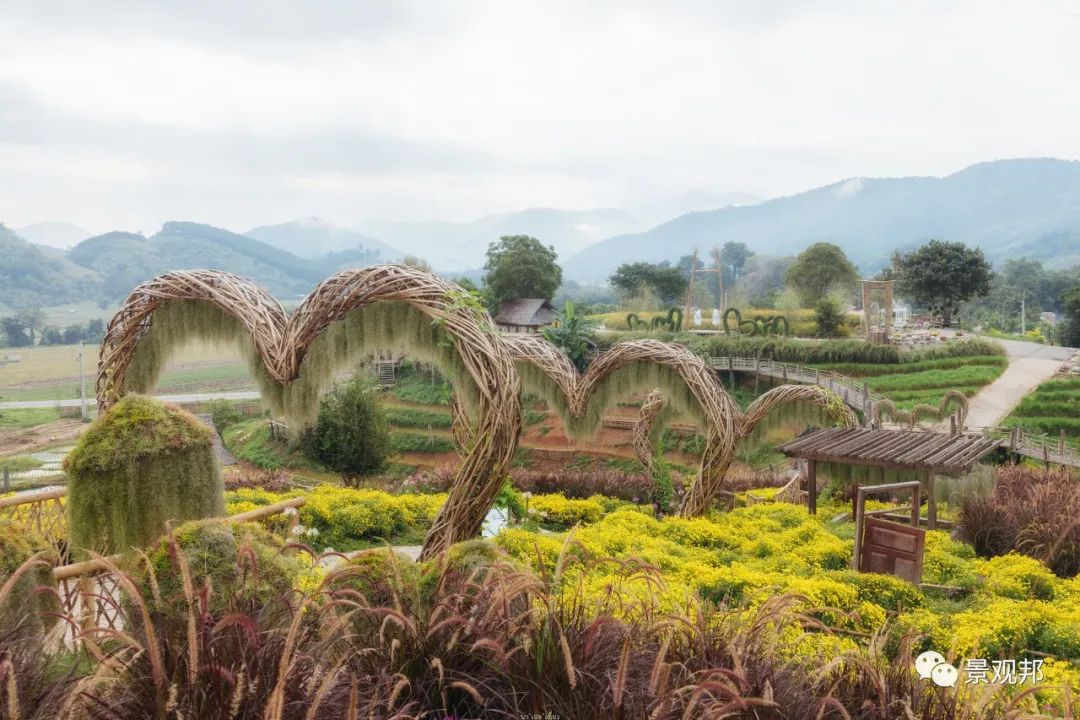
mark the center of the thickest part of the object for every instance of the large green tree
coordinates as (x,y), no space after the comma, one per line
(667,282)
(15,334)
(941,275)
(820,269)
(519,266)
(734,255)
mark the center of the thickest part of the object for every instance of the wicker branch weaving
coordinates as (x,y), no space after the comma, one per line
(689,380)
(952,402)
(282,342)
(648,416)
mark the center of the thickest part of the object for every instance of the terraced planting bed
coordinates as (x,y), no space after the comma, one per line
(1053,408)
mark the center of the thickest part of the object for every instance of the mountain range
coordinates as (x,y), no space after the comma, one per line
(1009,208)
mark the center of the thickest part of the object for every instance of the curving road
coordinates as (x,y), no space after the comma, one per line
(1030,364)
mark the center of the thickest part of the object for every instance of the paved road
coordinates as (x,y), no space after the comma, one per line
(1029,365)
(199,397)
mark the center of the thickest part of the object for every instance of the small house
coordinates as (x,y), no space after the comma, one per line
(525,315)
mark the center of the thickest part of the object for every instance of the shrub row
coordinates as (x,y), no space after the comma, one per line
(415,418)
(1016,606)
(415,442)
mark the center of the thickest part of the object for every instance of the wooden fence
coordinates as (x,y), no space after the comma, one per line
(90,590)
(859,396)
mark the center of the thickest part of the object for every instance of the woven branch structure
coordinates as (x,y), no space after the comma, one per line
(836,410)
(644,428)
(650,417)
(687,382)
(952,401)
(281,343)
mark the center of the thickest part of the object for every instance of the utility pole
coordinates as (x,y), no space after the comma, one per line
(82,381)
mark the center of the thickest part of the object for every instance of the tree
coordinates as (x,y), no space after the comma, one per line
(573,335)
(95,330)
(73,334)
(819,269)
(417,262)
(52,335)
(33,318)
(829,316)
(666,282)
(519,266)
(1070,305)
(15,334)
(941,275)
(350,436)
(734,255)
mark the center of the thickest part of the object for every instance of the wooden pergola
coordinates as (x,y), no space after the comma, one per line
(925,452)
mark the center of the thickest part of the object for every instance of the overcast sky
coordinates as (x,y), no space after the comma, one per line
(120,115)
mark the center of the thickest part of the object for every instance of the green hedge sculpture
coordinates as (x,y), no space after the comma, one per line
(140,465)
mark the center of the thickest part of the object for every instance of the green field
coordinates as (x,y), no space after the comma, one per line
(52,373)
(1053,407)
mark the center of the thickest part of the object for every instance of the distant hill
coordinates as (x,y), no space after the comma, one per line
(450,246)
(125,259)
(29,277)
(54,234)
(1008,208)
(314,238)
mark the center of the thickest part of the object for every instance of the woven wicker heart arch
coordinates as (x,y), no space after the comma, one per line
(687,383)
(652,416)
(293,357)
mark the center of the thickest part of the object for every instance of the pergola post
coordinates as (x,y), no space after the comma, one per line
(931,502)
(811,486)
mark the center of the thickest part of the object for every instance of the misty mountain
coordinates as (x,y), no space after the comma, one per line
(29,276)
(1008,208)
(53,234)
(461,246)
(125,259)
(314,238)
(659,210)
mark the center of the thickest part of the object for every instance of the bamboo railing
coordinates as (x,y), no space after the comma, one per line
(89,590)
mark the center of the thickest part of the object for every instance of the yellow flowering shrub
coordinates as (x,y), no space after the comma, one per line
(1019,577)
(346,518)
(561,510)
(744,557)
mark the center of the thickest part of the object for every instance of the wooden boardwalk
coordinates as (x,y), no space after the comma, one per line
(859,396)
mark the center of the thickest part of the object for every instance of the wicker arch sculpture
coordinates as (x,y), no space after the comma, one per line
(952,402)
(651,416)
(293,357)
(686,381)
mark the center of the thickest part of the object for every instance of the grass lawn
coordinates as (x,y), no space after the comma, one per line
(24,418)
(20,463)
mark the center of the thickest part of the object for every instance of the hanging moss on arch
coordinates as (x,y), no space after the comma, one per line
(688,385)
(139,466)
(293,357)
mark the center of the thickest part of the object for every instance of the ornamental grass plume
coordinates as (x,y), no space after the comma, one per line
(1030,511)
(469,634)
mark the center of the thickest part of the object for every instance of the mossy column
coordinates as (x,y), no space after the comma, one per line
(139,466)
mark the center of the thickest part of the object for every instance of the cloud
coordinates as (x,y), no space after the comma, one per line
(231,112)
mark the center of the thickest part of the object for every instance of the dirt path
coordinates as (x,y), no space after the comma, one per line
(17,442)
(1030,365)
